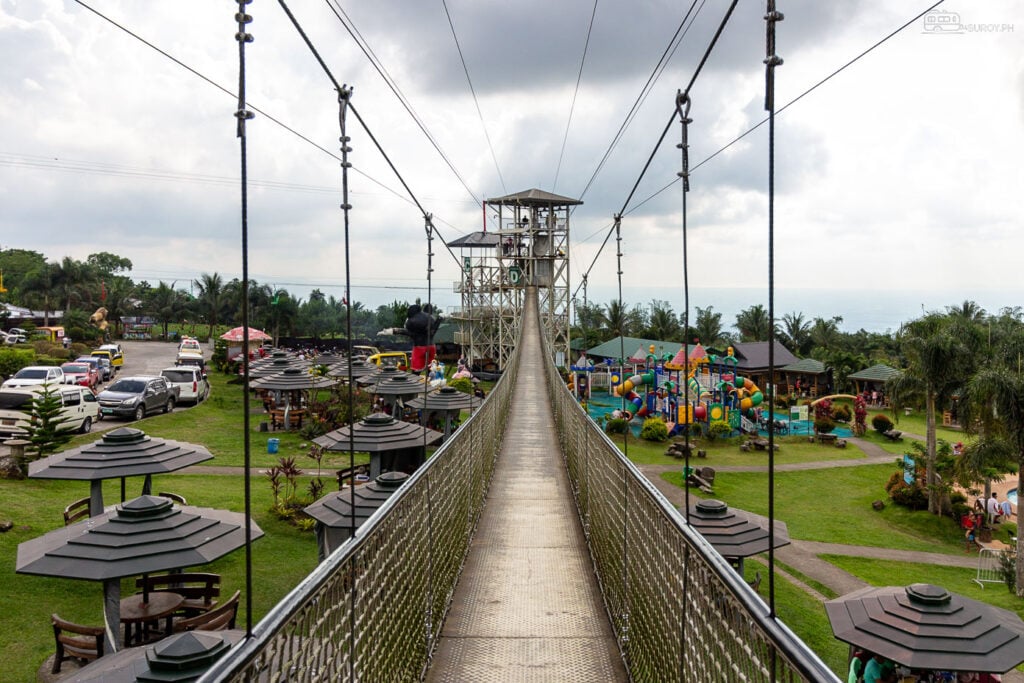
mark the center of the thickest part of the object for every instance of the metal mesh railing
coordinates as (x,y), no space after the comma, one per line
(373,610)
(679,610)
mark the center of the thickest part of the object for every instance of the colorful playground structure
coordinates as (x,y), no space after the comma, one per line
(714,390)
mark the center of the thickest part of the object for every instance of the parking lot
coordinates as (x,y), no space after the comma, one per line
(140,358)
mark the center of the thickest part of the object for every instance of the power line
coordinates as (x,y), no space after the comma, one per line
(572,106)
(472,90)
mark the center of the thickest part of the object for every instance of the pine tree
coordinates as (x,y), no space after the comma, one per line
(46,426)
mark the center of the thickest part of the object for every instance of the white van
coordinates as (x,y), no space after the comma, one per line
(79,410)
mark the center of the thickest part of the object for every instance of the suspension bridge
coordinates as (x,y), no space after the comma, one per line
(527,548)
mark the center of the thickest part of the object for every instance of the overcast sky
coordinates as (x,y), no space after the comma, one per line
(899,178)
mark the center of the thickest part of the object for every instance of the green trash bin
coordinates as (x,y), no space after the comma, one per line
(687,471)
(272,444)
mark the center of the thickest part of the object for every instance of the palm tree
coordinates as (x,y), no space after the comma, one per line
(615,319)
(121,299)
(997,404)
(753,323)
(708,327)
(663,323)
(41,291)
(796,333)
(968,311)
(211,298)
(166,304)
(938,363)
(74,279)
(825,333)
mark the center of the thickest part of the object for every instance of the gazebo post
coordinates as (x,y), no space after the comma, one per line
(95,497)
(111,615)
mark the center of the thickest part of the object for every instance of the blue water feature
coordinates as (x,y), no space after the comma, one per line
(1011,496)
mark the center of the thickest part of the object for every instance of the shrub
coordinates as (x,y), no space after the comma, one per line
(824,425)
(12,360)
(616,425)
(842,413)
(463,384)
(654,429)
(719,428)
(913,497)
(881,423)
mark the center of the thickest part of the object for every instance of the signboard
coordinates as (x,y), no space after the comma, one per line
(515,274)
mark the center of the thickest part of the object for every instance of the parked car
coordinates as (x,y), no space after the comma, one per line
(35,374)
(79,408)
(103,367)
(15,335)
(81,373)
(190,380)
(136,397)
(190,344)
(116,353)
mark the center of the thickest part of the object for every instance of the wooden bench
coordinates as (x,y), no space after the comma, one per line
(76,511)
(218,619)
(294,418)
(74,641)
(827,438)
(200,590)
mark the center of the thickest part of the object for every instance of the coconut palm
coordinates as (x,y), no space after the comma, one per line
(996,403)
(212,298)
(753,323)
(708,327)
(41,290)
(938,364)
(615,319)
(663,322)
(795,333)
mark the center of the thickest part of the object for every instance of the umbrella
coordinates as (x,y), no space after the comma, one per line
(922,626)
(360,368)
(378,434)
(734,533)
(379,374)
(333,512)
(448,400)
(124,452)
(292,379)
(181,657)
(236,335)
(144,535)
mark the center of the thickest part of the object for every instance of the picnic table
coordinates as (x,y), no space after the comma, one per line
(827,437)
(140,609)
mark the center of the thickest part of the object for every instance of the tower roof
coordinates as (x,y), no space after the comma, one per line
(534,197)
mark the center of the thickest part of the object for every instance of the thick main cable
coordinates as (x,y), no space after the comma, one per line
(575,92)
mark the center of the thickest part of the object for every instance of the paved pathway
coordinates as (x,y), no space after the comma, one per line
(804,556)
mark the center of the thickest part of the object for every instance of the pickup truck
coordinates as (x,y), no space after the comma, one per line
(136,397)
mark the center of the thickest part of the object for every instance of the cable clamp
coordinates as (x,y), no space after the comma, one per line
(243,37)
(244,114)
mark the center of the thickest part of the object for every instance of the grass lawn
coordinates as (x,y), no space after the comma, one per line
(282,558)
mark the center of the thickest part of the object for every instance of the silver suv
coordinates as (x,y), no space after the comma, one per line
(190,381)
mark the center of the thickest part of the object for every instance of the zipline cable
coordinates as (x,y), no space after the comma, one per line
(375,62)
(636,103)
(472,90)
(763,121)
(575,92)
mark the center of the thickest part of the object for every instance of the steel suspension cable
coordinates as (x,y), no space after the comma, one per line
(772,17)
(683,111)
(241,116)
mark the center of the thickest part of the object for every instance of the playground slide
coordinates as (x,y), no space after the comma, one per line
(626,390)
